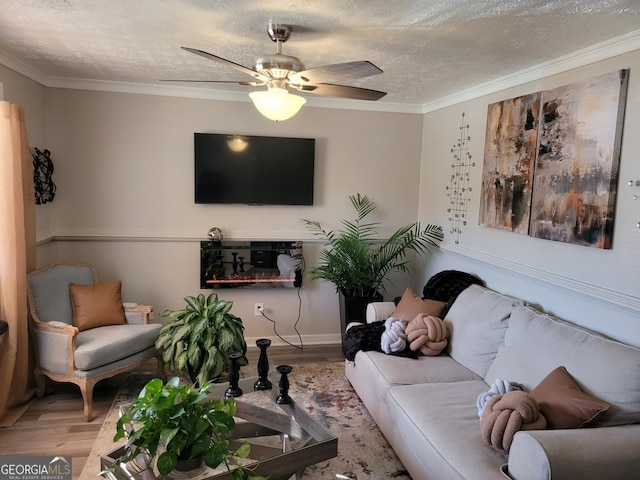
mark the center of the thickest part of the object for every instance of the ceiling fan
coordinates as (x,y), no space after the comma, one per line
(280,73)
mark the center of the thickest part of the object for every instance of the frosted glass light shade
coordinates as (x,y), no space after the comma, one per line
(277,105)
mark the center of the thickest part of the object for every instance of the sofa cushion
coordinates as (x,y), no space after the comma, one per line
(100,346)
(477,322)
(411,305)
(536,344)
(97,305)
(407,371)
(434,428)
(563,403)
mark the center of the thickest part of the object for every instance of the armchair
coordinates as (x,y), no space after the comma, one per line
(116,337)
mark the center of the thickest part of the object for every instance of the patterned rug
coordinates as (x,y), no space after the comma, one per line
(325,392)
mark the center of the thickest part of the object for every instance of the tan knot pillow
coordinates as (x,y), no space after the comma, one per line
(427,334)
(97,305)
(505,415)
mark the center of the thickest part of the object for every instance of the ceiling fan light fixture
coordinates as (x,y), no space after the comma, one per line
(277,104)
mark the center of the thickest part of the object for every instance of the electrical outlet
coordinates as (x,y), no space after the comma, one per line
(258,308)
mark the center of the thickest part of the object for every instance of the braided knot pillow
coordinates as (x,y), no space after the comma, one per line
(504,415)
(427,334)
(393,338)
(499,387)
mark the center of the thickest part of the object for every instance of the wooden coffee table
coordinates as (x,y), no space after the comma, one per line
(284,438)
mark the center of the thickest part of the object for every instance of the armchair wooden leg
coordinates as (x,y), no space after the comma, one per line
(86,388)
(41,382)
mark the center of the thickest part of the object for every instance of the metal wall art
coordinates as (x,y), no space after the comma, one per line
(458,189)
(551,161)
(44,187)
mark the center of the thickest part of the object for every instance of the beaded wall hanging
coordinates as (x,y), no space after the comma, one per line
(459,188)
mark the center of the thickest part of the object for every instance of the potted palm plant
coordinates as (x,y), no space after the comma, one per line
(200,336)
(358,262)
(179,426)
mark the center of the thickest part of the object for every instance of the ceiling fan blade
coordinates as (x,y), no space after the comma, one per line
(233,82)
(337,71)
(226,62)
(345,91)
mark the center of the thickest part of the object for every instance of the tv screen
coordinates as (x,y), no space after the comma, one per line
(253,170)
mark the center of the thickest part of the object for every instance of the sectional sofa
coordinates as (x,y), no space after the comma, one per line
(586,387)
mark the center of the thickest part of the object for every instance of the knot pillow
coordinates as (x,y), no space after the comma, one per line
(499,387)
(393,338)
(427,334)
(505,415)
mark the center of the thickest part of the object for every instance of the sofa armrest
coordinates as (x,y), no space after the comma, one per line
(586,453)
(137,314)
(377,311)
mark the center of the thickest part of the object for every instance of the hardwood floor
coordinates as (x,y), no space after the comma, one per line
(54,425)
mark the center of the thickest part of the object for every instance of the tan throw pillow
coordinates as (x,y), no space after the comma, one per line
(97,305)
(411,305)
(563,403)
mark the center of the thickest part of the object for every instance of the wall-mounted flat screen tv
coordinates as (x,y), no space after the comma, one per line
(253,170)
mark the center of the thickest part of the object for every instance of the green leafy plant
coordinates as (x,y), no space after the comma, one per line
(357,262)
(200,336)
(185,422)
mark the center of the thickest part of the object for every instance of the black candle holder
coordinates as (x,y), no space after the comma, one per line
(234,263)
(234,375)
(284,397)
(263,382)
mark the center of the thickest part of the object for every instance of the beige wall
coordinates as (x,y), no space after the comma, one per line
(592,287)
(124,171)
(30,95)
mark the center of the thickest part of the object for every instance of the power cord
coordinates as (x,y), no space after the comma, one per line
(295,325)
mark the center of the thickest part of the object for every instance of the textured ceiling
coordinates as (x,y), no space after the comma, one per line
(428,49)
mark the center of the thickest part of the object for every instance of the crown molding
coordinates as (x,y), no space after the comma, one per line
(595,53)
(221,95)
(600,51)
(22,68)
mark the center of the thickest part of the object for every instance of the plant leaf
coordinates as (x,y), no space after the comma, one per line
(167,461)
(243,451)
(216,455)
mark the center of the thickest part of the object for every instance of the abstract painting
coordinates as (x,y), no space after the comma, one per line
(576,171)
(551,161)
(509,159)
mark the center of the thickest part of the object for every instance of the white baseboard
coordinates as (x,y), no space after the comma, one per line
(322,339)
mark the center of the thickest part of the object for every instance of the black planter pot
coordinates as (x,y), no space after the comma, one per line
(354,309)
(186,464)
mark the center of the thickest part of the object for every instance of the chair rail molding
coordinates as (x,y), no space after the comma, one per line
(547,279)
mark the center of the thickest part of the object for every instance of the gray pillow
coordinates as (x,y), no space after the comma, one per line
(477,322)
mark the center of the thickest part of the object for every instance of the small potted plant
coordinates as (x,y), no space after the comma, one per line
(358,262)
(199,338)
(174,423)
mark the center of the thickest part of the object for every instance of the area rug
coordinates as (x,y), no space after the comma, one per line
(323,390)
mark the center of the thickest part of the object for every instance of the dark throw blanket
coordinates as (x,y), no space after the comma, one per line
(444,286)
